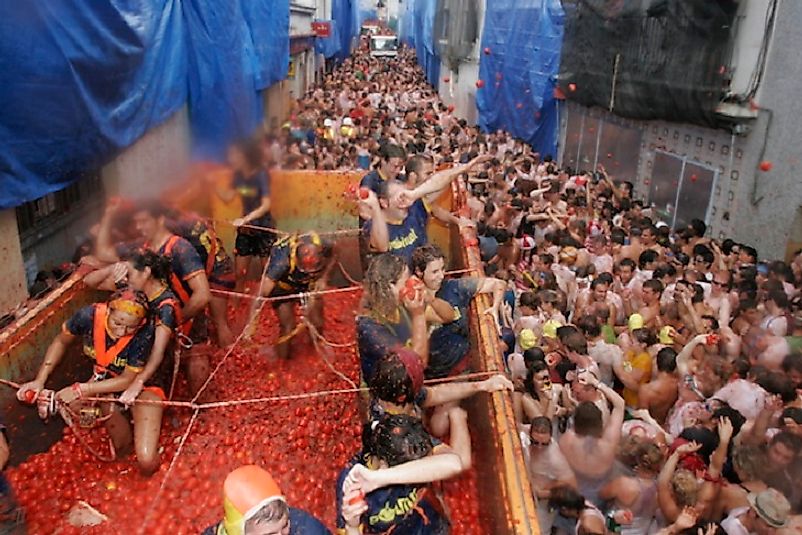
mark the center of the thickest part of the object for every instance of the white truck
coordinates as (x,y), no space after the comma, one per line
(384,45)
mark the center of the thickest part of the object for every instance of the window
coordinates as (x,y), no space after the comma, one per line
(45,211)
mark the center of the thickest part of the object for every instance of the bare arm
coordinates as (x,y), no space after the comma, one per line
(104,248)
(684,357)
(262,210)
(201,294)
(379,233)
(440,180)
(162,338)
(103,278)
(109,386)
(449,392)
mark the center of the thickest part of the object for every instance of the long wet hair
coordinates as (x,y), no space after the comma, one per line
(397,439)
(393,380)
(379,300)
(159,265)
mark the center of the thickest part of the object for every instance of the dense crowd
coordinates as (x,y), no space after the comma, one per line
(655,373)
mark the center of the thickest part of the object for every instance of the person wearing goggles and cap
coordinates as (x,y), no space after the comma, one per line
(254,505)
(297,264)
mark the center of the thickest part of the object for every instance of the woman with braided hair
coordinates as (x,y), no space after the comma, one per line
(385,487)
(118,338)
(389,319)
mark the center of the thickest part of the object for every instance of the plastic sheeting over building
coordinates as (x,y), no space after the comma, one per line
(416,30)
(663,59)
(82,81)
(521,45)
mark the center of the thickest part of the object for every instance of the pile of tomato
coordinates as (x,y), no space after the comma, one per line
(303,443)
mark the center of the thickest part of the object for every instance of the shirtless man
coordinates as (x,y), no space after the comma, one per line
(590,447)
(660,394)
(650,297)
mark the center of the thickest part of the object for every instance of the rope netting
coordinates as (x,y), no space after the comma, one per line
(297,418)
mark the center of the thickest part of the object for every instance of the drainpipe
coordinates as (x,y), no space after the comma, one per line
(758,172)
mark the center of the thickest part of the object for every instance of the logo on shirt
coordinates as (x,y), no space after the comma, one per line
(403,242)
(402,507)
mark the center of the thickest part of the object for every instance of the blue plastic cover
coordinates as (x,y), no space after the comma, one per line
(421,37)
(524,39)
(344,15)
(85,80)
(329,46)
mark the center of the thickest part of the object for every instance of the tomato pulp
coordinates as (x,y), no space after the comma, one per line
(303,443)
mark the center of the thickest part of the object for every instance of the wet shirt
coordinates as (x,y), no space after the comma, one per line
(375,339)
(185,262)
(372,181)
(205,241)
(251,190)
(133,356)
(280,270)
(165,310)
(406,509)
(407,235)
(449,343)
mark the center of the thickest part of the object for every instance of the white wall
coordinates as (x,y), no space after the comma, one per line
(156,161)
(13,286)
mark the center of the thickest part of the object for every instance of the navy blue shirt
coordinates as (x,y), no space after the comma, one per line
(301,523)
(134,355)
(372,181)
(449,343)
(375,339)
(407,235)
(251,190)
(406,509)
(279,269)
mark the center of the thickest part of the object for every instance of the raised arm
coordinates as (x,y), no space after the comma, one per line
(684,357)
(448,392)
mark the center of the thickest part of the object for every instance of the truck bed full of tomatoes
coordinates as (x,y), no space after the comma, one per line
(303,443)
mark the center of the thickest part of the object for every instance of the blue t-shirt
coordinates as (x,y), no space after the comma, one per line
(134,355)
(449,343)
(406,236)
(251,190)
(406,509)
(301,523)
(375,339)
(372,181)
(279,270)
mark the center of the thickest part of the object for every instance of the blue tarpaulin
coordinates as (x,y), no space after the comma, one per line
(345,15)
(417,31)
(84,80)
(524,39)
(329,46)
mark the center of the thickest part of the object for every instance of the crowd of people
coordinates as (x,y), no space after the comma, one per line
(655,373)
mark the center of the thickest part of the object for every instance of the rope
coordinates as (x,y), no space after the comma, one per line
(288,297)
(166,478)
(356,286)
(338,232)
(271,399)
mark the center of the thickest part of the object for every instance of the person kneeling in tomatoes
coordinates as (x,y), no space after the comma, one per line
(253,505)
(118,338)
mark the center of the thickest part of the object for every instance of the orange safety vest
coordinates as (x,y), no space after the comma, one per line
(105,355)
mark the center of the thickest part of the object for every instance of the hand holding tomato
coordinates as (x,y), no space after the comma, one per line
(29,391)
(354,505)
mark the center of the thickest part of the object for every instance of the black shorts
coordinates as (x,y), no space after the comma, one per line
(253,242)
